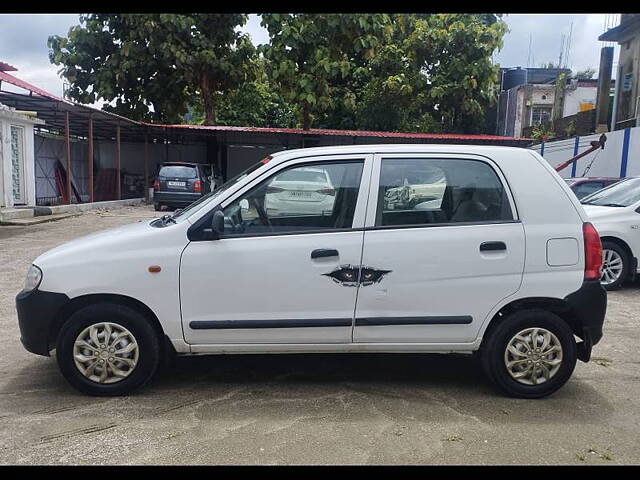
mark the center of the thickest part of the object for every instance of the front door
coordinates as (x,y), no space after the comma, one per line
(442,247)
(285,270)
(17,165)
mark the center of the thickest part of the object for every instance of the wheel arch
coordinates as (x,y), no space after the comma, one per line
(82,301)
(558,306)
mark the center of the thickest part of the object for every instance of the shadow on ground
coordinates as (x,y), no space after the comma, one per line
(279,386)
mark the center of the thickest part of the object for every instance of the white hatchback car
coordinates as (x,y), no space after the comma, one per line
(504,264)
(615,212)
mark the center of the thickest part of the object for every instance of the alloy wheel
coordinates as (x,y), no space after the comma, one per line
(105,352)
(533,356)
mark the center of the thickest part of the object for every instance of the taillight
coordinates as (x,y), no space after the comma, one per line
(274,189)
(156,185)
(592,252)
(327,191)
(197,186)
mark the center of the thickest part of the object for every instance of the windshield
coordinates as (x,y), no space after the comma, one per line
(204,199)
(621,194)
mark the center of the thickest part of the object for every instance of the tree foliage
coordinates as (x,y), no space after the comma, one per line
(148,66)
(396,72)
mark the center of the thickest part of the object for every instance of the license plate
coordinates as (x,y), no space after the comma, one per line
(176,184)
(300,194)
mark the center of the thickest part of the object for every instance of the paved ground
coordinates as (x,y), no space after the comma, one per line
(309,409)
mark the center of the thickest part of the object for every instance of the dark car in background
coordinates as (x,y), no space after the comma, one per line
(180,184)
(583,186)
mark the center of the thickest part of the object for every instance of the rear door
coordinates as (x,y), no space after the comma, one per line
(442,246)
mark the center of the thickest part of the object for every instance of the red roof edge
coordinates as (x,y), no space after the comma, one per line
(5,77)
(5,67)
(348,133)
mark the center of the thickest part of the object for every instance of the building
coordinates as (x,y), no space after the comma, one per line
(626,104)
(111,157)
(17,166)
(528,99)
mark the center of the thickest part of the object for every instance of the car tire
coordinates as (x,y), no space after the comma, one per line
(157,206)
(612,252)
(495,353)
(121,321)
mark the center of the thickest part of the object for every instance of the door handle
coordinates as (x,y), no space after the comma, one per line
(492,246)
(324,252)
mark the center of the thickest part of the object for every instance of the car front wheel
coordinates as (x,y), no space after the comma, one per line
(530,354)
(615,265)
(107,350)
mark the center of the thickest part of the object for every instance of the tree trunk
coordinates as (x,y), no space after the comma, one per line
(208,101)
(306,117)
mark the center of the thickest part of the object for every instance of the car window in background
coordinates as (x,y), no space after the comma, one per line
(178,171)
(621,194)
(587,188)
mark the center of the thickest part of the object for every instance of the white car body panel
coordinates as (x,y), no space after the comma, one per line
(617,222)
(275,277)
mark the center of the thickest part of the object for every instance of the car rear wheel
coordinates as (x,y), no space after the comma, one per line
(107,350)
(615,265)
(530,354)
(157,206)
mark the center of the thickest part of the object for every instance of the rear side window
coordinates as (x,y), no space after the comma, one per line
(440,191)
(179,171)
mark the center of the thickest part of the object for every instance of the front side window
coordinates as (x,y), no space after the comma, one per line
(428,191)
(309,197)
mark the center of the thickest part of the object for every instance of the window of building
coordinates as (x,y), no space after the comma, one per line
(540,115)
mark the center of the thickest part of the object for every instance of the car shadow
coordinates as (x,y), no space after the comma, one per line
(350,386)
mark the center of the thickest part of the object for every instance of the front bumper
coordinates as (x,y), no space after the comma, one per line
(589,304)
(37,316)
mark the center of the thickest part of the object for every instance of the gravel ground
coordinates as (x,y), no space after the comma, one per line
(309,409)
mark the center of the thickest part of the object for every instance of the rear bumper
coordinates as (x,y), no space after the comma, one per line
(37,314)
(589,303)
(176,198)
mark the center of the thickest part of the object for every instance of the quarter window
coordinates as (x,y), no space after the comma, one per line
(309,197)
(440,191)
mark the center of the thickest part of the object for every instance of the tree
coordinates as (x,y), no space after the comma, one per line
(311,56)
(586,74)
(453,52)
(256,103)
(434,74)
(150,66)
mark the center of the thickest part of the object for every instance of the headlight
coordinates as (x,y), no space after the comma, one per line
(34,277)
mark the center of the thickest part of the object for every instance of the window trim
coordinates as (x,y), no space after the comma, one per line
(194,233)
(370,223)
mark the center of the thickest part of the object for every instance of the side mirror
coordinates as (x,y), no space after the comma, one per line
(217,223)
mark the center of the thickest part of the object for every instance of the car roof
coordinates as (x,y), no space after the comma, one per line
(396,148)
(180,164)
(586,179)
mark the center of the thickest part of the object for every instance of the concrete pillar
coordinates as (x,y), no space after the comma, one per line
(604,87)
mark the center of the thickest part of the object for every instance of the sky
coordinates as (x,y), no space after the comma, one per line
(23,42)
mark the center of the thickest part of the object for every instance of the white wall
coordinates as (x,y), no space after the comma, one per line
(573,99)
(608,163)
